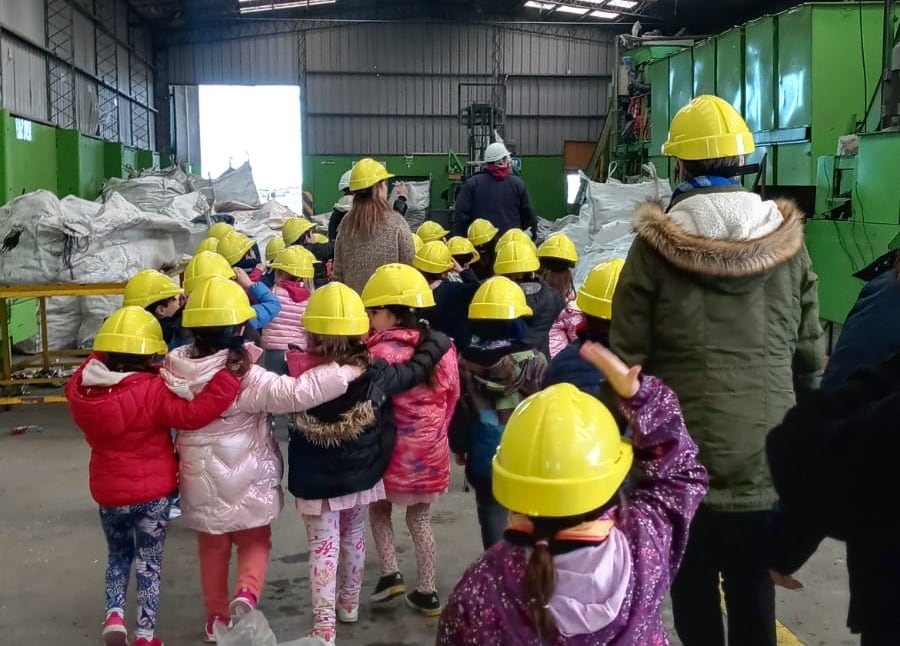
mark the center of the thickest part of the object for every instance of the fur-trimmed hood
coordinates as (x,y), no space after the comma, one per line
(349,426)
(721,258)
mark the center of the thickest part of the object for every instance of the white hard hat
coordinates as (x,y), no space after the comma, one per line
(495,152)
(344,182)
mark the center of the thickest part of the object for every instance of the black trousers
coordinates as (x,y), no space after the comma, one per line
(729,544)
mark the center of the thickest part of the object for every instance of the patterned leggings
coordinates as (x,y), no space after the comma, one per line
(337,546)
(135,534)
(418,520)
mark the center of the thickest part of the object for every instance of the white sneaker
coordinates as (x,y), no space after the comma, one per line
(347,616)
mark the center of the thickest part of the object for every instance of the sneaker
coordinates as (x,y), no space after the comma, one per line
(174,512)
(143,641)
(114,631)
(209,636)
(318,640)
(388,587)
(244,601)
(426,603)
(345,615)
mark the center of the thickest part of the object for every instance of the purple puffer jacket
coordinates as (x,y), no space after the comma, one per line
(490,606)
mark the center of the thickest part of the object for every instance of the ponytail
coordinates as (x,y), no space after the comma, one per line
(540,581)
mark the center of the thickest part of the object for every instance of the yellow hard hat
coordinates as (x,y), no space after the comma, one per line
(208,244)
(295,261)
(148,287)
(320,238)
(708,128)
(273,247)
(218,302)
(481,232)
(595,296)
(515,257)
(335,310)
(203,266)
(294,229)
(519,236)
(234,246)
(219,230)
(460,246)
(499,299)
(366,174)
(417,242)
(430,231)
(131,330)
(433,258)
(397,284)
(559,246)
(560,455)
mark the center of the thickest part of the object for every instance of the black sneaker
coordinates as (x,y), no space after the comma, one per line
(426,603)
(389,586)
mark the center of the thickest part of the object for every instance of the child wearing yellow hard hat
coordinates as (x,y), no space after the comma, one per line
(580,562)
(558,258)
(294,271)
(516,258)
(159,295)
(594,301)
(272,248)
(419,470)
(125,409)
(231,469)
(483,236)
(498,370)
(302,232)
(340,451)
(452,291)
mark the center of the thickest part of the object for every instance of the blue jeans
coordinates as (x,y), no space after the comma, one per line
(492,517)
(136,535)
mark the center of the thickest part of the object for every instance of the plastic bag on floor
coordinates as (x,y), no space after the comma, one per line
(251,630)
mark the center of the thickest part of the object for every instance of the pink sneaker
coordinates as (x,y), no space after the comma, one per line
(209,636)
(115,633)
(244,601)
(143,641)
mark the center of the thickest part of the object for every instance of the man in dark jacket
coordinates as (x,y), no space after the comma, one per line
(718,299)
(833,462)
(870,332)
(495,194)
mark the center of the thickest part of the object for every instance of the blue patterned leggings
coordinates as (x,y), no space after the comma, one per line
(135,534)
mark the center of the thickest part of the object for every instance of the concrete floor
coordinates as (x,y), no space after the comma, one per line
(52,559)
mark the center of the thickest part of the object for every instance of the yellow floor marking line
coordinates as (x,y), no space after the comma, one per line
(782,632)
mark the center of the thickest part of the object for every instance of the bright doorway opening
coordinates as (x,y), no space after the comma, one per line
(259,124)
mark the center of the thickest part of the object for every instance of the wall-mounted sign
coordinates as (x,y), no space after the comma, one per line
(23,129)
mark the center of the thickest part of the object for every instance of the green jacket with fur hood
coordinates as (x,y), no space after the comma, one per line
(718,299)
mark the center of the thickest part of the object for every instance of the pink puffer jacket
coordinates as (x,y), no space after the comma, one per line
(286,328)
(421,459)
(565,329)
(231,469)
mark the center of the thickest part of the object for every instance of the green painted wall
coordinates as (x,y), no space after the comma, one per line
(37,156)
(544,176)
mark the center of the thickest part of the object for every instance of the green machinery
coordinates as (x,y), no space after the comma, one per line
(803,79)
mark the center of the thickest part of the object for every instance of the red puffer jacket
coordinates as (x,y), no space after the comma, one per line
(127,419)
(421,459)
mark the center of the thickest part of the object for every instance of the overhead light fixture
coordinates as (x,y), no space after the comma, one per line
(595,1)
(543,6)
(622,4)
(606,15)
(255,6)
(578,11)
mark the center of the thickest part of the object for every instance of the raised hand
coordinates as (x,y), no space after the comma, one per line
(624,380)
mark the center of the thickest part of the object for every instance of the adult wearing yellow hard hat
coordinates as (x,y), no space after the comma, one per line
(342,206)
(371,234)
(717,298)
(496,195)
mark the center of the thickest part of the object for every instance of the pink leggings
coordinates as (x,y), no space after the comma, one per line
(418,520)
(337,547)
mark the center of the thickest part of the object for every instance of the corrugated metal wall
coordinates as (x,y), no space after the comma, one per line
(392,88)
(78,65)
